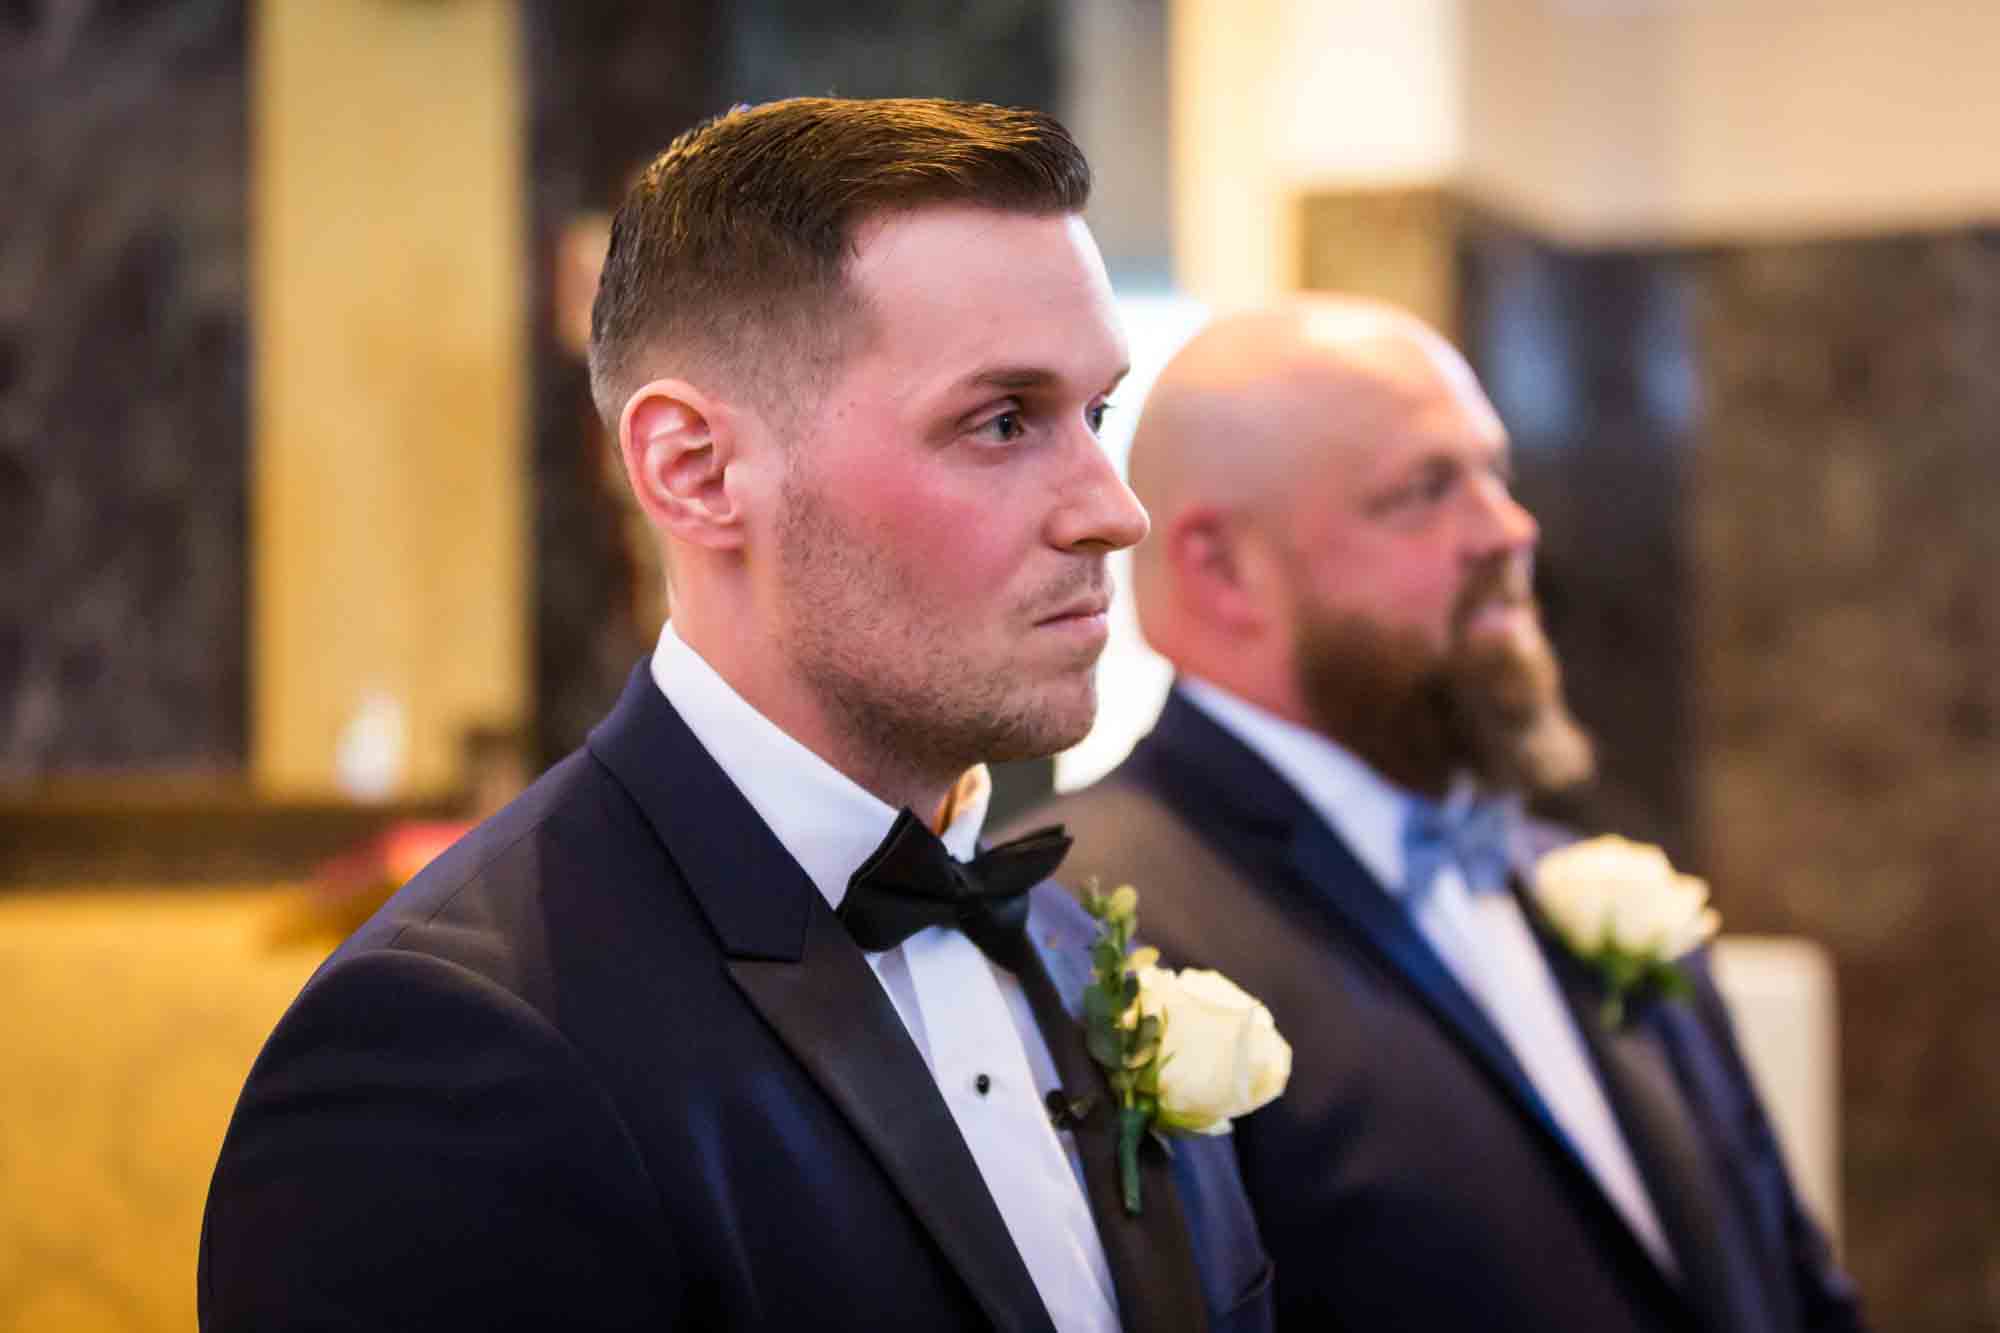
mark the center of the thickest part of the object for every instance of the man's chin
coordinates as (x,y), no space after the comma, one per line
(1509,697)
(1554,754)
(1059,717)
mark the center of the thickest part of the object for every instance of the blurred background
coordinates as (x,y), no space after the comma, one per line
(313,548)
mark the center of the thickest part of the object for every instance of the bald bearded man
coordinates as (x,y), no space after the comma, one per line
(1329,812)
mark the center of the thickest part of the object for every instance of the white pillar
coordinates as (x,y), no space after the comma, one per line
(1271,98)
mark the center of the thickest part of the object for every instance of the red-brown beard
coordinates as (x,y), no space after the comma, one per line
(1418,716)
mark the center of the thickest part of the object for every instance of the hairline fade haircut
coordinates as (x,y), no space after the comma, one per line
(728,258)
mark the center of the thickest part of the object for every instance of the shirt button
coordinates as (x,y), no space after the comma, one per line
(982,1085)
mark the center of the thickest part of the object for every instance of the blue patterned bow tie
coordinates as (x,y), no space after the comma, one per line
(1473,835)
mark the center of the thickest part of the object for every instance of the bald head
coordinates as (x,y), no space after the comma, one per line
(1257,396)
(1257,400)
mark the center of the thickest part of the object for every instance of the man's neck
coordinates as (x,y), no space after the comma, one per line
(760,678)
(928,794)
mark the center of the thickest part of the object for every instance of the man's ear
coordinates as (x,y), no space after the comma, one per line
(1224,574)
(678,444)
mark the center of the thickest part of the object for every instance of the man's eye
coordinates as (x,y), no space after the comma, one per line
(1005,427)
(1432,485)
(1096,417)
(1427,489)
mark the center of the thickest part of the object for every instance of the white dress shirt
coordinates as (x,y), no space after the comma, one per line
(1483,939)
(969,1018)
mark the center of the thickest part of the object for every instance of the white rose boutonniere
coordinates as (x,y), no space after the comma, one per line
(1220,1053)
(1184,1052)
(1622,907)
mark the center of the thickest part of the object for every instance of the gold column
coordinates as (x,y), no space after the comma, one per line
(1395,244)
(388,516)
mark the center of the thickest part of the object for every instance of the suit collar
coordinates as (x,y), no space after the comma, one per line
(1200,764)
(1366,810)
(1363,807)
(753,893)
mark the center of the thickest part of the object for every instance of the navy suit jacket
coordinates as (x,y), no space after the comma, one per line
(1411,1178)
(612,1063)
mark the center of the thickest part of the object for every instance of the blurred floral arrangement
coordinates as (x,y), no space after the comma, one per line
(354,884)
(345,890)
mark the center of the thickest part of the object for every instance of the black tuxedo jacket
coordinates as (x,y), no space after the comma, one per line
(1411,1177)
(612,1063)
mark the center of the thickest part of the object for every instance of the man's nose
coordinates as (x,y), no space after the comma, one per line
(1099,509)
(1504,526)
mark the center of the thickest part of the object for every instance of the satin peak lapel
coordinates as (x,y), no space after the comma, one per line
(833,1016)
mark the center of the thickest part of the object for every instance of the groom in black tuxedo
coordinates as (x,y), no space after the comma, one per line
(1329,811)
(723,1024)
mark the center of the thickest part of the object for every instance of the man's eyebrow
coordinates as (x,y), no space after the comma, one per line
(1016,378)
(1009,377)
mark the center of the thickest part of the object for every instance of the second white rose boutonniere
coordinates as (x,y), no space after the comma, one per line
(1184,1053)
(1622,907)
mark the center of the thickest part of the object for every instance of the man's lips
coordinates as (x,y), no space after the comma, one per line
(1084,622)
(1497,615)
(1082,611)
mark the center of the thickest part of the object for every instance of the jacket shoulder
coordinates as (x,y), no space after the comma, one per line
(401,1098)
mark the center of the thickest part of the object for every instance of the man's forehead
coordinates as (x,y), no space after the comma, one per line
(882,232)
(1002,295)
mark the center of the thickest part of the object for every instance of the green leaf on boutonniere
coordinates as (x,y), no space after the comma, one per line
(1104,1045)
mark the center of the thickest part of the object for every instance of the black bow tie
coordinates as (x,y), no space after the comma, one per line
(912,882)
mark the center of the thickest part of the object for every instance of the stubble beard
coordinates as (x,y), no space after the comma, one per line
(912,703)
(1491,707)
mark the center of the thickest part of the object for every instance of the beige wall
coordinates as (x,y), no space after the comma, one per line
(1699,120)
(1594,121)
(1367,93)
(388,515)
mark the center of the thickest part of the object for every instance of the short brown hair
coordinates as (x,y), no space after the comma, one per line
(731,250)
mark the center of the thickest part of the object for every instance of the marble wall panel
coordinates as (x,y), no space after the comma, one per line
(1766,475)
(608,86)
(123,388)
(1847,644)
